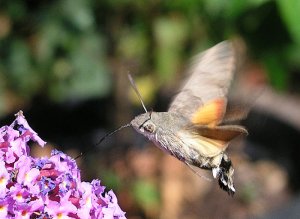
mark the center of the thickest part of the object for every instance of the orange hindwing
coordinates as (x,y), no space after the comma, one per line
(210,114)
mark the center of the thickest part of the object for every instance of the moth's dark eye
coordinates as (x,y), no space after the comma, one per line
(149,128)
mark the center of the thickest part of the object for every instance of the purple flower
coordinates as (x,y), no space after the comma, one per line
(44,188)
(26,131)
(67,182)
(4,206)
(4,178)
(19,193)
(62,209)
(46,185)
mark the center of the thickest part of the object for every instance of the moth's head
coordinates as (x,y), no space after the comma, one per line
(144,124)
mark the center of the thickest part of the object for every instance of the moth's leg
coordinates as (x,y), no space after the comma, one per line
(194,169)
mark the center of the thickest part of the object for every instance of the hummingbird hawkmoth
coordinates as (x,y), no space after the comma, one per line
(197,127)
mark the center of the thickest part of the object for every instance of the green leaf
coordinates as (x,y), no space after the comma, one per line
(78,12)
(133,44)
(170,35)
(290,12)
(146,193)
(20,72)
(84,74)
(277,72)
(111,179)
(235,8)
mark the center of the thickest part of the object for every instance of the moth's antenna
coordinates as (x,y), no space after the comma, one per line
(102,139)
(136,91)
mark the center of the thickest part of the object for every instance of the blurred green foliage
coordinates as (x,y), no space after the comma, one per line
(146,194)
(67,49)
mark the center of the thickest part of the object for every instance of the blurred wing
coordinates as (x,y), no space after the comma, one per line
(203,97)
(235,112)
(206,147)
(208,141)
(224,133)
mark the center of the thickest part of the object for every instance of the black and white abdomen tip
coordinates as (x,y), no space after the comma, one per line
(224,173)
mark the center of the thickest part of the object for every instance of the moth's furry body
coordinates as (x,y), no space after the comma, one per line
(176,141)
(192,129)
(174,137)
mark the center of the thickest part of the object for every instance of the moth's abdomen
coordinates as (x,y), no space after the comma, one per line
(224,173)
(194,152)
